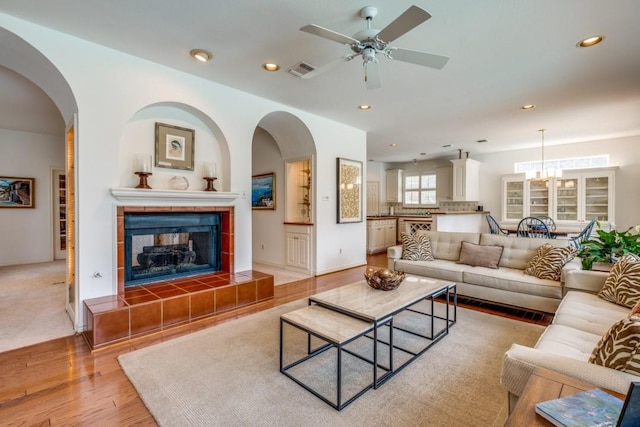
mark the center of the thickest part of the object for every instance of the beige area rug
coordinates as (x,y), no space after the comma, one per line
(228,375)
(32,304)
(280,275)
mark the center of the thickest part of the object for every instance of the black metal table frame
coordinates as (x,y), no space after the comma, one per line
(340,347)
(434,337)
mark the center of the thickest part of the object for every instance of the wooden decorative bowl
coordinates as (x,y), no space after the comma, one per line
(383,279)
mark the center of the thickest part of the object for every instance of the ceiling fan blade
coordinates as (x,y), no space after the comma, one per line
(419,58)
(372,75)
(328,66)
(404,23)
(326,33)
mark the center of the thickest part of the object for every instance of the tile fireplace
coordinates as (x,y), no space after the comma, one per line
(195,246)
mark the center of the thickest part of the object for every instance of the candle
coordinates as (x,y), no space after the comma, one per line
(143,163)
(207,170)
(215,170)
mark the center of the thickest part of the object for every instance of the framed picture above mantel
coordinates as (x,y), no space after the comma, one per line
(174,147)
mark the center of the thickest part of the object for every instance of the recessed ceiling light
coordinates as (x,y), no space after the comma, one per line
(270,66)
(447,146)
(590,41)
(364,107)
(481,141)
(528,107)
(201,55)
(423,154)
(393,145)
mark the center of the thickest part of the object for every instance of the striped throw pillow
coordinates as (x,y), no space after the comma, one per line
(416,247)
(548,261)
(622,286)
(619,348)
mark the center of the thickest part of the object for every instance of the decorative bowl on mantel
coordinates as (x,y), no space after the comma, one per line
(383,279)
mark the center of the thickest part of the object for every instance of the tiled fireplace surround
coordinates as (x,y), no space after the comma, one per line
(153,307)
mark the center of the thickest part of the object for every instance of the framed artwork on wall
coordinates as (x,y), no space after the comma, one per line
(174,147)
(349,179)
(263,191)
(17,192)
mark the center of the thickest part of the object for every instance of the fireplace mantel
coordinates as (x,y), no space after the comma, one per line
(137,195)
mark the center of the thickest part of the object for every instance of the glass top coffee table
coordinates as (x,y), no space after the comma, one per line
(386,309)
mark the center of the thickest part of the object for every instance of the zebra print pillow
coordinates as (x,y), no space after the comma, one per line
(548,261)
(622,286)
(416,247)
(619,348)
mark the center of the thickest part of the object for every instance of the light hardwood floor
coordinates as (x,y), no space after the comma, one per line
(61,382)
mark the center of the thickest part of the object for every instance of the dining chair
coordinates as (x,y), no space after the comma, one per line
(532,226)
(576,241)
(494,226)
(549,222)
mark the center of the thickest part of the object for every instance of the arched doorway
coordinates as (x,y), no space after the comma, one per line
(38,110)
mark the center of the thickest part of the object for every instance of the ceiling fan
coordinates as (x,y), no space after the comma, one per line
(370,42)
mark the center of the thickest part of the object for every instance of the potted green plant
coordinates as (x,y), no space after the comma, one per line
(609,246)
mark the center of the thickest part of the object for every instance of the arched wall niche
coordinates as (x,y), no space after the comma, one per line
(290,133)
(210,145)
(21,57)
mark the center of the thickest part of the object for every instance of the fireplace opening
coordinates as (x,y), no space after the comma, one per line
(165,245)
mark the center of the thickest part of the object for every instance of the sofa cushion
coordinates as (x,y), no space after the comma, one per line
(619,348)
(480,255)
(416,247)
(446,245)
(568,342)
(586,312)
(513,280)
(548,261)
(517,251)
(436,269)
(623,283)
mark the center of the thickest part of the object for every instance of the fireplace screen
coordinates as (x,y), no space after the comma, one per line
(159,246)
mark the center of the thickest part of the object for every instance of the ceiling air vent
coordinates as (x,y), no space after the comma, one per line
(301,68)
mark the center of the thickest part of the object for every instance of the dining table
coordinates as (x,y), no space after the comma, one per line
(513,229)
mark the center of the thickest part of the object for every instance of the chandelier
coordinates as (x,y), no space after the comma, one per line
(544,173)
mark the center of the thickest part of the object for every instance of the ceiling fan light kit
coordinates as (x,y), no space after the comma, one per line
(369,42)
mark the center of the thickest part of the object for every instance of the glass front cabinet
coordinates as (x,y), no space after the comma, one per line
(577,197)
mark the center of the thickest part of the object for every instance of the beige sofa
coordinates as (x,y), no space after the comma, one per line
(506,285)
(566,345)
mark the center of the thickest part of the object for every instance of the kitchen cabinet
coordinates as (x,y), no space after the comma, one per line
(373,198)
(381,233)
(466,178)
(394,185)
(577,197)
(444,178)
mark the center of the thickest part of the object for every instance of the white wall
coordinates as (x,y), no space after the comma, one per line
(27,234)
(268,225)
(111,88)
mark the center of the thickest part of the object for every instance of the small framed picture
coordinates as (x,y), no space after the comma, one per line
(263,191)
(349,179)
(17,192)
(174,147)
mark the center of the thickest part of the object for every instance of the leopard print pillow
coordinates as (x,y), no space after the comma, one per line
(622,286)
(548,261)
(416,247)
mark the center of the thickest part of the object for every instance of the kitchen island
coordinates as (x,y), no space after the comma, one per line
(460,221)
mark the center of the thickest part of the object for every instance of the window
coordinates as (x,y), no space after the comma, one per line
(564,164)
(420,190)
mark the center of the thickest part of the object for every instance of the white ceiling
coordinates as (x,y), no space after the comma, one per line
(504,54)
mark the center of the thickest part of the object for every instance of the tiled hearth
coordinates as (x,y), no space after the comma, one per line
(153,307)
